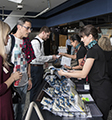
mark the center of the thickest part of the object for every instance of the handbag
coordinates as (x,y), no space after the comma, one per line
(16,97)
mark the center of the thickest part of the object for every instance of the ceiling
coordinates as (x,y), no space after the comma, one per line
(30,5)
(34,7)
(31,9)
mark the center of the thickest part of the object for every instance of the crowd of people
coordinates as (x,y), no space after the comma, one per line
(93,56)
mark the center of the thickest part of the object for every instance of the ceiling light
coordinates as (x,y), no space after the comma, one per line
(19,6)
(16,1)
(42,12)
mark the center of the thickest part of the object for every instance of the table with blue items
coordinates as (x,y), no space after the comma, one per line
(60,98)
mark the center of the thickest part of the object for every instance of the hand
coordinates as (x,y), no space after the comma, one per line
(65,66)
(54,57)
(29,84)
(16,76)
(60,72)
(46,65)
(61,54)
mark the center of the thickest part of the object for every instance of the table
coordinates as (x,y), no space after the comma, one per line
(95,112)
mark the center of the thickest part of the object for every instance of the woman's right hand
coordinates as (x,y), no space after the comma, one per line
(65,66)
(68,67)
(62,54)
(16,76)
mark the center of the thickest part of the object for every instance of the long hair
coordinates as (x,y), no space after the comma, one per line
(4,31)
(105,43)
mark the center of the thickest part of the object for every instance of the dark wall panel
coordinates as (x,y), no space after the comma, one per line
(88,10)
(91,9)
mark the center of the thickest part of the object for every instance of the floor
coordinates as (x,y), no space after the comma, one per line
(27,102)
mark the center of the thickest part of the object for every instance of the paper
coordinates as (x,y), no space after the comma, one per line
(5,70)
(65,61)
(86,97)
(86,87)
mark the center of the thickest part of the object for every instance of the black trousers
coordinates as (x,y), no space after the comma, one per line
(69,49)
(37,77)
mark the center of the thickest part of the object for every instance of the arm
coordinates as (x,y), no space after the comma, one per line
(79,73)
(67,55)
(29,77)
(78,66)
(29,68)
(14,76)
(5,85)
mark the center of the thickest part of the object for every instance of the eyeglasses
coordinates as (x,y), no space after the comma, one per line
(28,28)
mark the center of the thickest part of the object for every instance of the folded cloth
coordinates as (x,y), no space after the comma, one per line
(28,50)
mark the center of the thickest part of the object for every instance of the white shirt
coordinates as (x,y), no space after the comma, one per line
(39,52)
(68,42)
(18,58)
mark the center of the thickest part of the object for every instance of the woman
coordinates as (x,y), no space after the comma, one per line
(105,44)
(95,68)
(6,109)
(80,51)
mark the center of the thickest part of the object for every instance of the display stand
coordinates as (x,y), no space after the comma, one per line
(35,109)
(28,115)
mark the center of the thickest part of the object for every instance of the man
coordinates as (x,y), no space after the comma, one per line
(68,45)
(38,62)
(22,54)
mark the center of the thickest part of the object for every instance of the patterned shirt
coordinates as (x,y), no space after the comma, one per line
(21,55)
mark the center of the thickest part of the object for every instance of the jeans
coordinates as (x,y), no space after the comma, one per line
(37,77)
(19,108)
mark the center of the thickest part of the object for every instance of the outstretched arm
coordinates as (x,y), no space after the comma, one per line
(79,73)
(67,55)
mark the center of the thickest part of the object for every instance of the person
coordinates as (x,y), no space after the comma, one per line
(80,51)
(22,54)
(105,44)
(99,33)
(95,68)
(68,45)
(6,108)
(38,62)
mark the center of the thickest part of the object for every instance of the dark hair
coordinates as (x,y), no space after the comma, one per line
(45,29)
(22,21)
(87,30)
(75,37)
(99,30)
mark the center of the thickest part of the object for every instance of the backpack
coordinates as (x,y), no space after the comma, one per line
(10,53)
(39,42)
(12,46)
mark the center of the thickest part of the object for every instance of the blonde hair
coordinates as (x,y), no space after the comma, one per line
(4,31)
(105,44)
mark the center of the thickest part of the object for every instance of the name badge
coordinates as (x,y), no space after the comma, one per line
(86,87)
(5,70)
